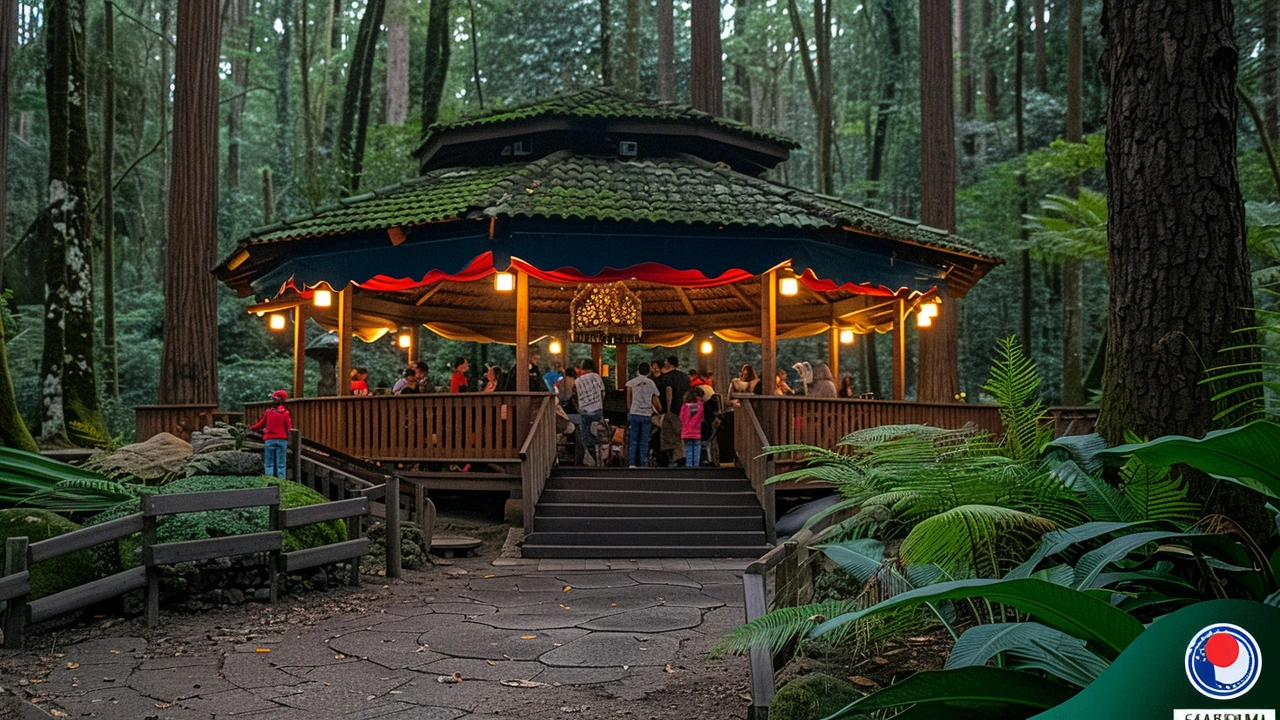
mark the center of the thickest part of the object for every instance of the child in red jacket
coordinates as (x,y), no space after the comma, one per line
(275,426)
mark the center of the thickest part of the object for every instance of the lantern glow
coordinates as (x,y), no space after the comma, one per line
(405,340)
(846,337)
(706,347)
(929,310)
(788,286)
(923,320)
(277,321)
(554,347)
(322,298)
(504,282)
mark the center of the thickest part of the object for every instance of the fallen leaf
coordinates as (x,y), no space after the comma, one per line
(338,656)
(37,681)
(58,713)
(863,681)
(528,637)
(162,706)
(490,575)
(114,652)
(262,650)
(99,617)
(451,679)
(524,683)
(613,604)
(72,665)
(669,670)
(567,588)
(490,662)
(880,661)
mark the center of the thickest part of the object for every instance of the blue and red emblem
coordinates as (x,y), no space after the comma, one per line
(1223,661)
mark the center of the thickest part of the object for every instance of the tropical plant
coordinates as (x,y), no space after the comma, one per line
(1243,402)
(34,480)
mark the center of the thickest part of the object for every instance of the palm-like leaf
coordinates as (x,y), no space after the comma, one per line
(1015,384)
(980,539)
(1028,645)
(1073,228)
(778,628)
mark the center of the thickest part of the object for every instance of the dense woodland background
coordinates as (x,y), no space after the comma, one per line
(296,73)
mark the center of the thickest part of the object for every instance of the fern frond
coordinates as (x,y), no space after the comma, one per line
(780,627)
(975,538)
(1156,493)
(1015,384)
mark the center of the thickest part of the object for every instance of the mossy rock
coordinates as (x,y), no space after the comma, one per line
(411,542)
(223,523)
(60,573)
(812,697)
(236,463)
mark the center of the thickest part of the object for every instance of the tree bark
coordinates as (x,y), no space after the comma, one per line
(939,352)
(166,157)
(1020,146)
(606,40)
(475,52)
(305,44)
(826,104)
(1179,268)
(1042,59)
(13,431)
(397,21)
(706,83)
(666,51)
(189,367)
(968,83)
(283,154)
(108,204)
(1271,67)
(990,81)
(439,45)
(239,48)
(630,78)
(890,71)
(354,123)
(1072,280)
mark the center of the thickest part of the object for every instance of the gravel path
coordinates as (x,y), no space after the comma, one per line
(534,639)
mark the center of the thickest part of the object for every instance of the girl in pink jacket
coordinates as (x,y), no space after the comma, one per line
(691,427)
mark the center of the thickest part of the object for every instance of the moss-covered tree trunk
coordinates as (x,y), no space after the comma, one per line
(53,426)
(436,71)
(13,431)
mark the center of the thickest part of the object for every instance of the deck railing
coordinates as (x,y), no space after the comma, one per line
(749,442)
(468,427)
(537,457)
(179,420)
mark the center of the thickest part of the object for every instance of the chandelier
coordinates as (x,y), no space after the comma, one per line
(608,314)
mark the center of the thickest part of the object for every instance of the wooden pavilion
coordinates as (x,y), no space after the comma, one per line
(519,211)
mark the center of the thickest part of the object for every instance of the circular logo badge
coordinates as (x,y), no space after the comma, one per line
(1223,661)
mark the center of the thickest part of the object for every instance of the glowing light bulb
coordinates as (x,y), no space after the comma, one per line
(554,347)
(405,340)
(277,321)
(322,298)
(706,347)
(923,320)
(846,337)
(789,286)
(504,282)
(929,310)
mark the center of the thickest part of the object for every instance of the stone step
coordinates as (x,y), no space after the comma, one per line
(648,539)
(648,551)
(614,510)
(704,523)
(649,497)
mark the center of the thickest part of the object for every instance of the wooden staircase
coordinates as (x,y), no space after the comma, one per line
(647,513)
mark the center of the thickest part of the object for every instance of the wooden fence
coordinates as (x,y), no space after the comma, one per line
(465,427)
(20,555)
(823,422)
(179,420)
(749,442)
(537,458)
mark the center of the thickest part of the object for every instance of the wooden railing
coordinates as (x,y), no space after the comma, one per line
(20,555)
(537,457)
(749,442)
(415,428)
(179,420)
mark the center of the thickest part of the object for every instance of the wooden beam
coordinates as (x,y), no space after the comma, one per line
(900,350)
(684,300)
(751,302)
(299,350)
(522,331)
(345,328)
(620,374)
(769,331)
(597,354)
(288,303)
(430,293)
(833,352)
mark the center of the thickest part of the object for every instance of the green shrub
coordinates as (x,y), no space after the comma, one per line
(60,573)
(812,697)
(223,523)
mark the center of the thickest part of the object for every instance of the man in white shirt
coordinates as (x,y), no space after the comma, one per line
(589,391)
(642,401)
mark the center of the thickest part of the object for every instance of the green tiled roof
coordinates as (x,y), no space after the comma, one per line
(683,190)
(610,104)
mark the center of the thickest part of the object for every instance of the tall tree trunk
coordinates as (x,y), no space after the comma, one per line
(890,71)
(1020,145)
(1042,58)
(1271,66)
(166,156)
(666,51)
(606,40)
(706,81)
(968,83)
(439,45)
(13,431)
(990,80)
(826,104)
(814,82)
(108,203)
(189,367)
(397,22)
(1072,270)
(305,44)
(630,75)
(1179,268)
(354,124)
(240,42)
(475,52)
(283,154)
(939,351)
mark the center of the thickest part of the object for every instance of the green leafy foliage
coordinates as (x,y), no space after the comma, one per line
(1249,455)
(60,573)
(1015,384)
(32,479)
(968,692)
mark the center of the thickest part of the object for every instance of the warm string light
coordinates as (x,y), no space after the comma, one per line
(928,311)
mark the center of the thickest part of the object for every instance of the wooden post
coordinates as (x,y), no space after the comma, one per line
(393,524)
(295,456)
(757,604)
(620,374)
(273,558)
(900,349)
(522,331)
(833,353)
(15,618)
(769,331)
(344,340)
(720,364)
(355,530)
(299,350)
(597,354)
(153,572)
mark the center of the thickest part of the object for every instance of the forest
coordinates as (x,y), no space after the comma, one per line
(318,100)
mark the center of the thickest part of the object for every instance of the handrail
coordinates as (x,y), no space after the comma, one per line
(537,456)
(750,442)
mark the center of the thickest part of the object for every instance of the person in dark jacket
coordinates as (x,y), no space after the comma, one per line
(275,426)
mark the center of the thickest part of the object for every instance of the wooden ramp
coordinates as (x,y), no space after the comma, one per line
(647,513)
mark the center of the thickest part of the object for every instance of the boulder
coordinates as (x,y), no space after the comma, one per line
(162,456)
(812,697)
(61,573)
(225,463)
(213,439)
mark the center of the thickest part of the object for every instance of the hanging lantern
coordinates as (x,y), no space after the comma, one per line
(405,340)
(923,320)
(788,286)
(608,314)
(846,337)
(706,347)
(929,309)
(554,347)
(322,298)
(277,321)
(504,282)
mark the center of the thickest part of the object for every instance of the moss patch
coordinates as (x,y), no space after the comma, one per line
(812,697)
(60,573)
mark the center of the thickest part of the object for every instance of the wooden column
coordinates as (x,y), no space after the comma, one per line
(299,350)
(620,374)
(345,328)
(522,331)
(900,349)
(833,352)
(720,364)
(769,331)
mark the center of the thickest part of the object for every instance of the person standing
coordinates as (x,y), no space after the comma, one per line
(360,381)
(275,426)
(589,390)
(642,400)
(824,385)
(458,381)
(406,379)
(691,413)
(671,388)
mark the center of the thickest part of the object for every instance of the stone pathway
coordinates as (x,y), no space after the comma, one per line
(555,638)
